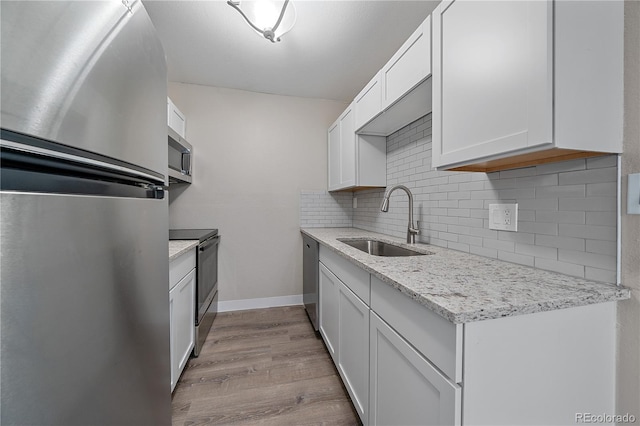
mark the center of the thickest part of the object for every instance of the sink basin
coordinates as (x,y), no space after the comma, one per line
(380,248)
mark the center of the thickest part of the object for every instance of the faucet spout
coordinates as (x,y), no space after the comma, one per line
(412,231)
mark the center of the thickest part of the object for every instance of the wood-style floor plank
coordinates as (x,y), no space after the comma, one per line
(263,366)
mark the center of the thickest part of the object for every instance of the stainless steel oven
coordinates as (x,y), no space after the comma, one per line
(206,279)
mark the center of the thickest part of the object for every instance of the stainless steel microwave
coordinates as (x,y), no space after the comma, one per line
(180,159)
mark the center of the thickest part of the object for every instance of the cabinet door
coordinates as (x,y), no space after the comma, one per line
(176,119)
(405,389)
(408,67)
(353,348)
(182,315)
(492,78)
(348,168)
(328,288)
(334,156)
(368,103)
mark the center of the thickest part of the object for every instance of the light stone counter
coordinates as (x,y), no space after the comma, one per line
(463,287)
(179,247)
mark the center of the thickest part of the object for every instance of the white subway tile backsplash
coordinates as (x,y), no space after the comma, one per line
(459,195)
(458,246)
(602,247)
(539,180)
(538,204)
(588,204)
(538,228)
(558,266)
(564,166)
(500,245)
(471,222)
(484,251)
(471,204)
(527,171)
(595,232)
(472,186)
(594,260)
(560,242)
(320,209)
(495,183)
(526,215)
(517,194)
(561,191)
(566,223)
(560,216)
(601,218)
(537,251)
(516,237)
(608,174)
(600,274)
(516,258)
(472,241)
(604,161)
(604,189)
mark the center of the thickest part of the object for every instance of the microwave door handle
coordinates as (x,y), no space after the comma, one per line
(186,163)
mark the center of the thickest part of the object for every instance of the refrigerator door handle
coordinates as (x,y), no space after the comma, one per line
(48,153)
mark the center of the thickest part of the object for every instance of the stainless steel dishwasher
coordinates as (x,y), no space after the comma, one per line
(310,278)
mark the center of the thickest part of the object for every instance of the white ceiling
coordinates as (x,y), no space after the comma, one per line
(334,49)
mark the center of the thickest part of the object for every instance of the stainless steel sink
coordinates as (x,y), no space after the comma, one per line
(380,248)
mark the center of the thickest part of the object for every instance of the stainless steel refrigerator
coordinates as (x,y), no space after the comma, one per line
(83,232)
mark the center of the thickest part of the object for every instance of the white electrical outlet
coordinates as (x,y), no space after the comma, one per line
(503,217)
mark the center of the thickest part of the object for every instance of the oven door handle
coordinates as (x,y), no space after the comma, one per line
(208,243)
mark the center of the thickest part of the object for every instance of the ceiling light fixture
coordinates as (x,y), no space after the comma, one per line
(272,19)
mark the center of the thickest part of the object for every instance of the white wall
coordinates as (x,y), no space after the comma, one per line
(628,380)
(254,153)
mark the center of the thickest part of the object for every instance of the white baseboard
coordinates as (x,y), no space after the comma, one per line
(265,302)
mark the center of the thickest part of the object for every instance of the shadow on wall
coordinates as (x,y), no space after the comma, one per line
(175,190)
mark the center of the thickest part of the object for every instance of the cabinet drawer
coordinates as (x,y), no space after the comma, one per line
(355,278)
(180,267)
(436,338)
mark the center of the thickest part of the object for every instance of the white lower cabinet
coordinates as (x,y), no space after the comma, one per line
(344,325)
(403,364)
(328,288)
(405,388)
(182,296)
(353,348)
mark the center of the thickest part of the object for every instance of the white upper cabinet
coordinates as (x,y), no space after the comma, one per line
(521,83)
(408,67)
(347,148)
(334,155)
(368,103)
(176,119)
(355,160)
(401,91)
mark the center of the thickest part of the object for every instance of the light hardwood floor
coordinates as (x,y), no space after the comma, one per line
(263,366)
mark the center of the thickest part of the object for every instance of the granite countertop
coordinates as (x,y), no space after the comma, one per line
(180,247)
(463,287)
